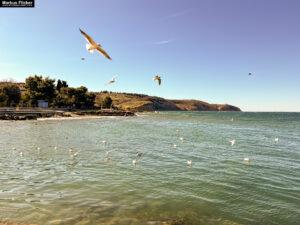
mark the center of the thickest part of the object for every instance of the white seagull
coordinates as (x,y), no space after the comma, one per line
(92,45)
(175,146)
(276,140)
(181,138)
(232,142)
(247,160)
(112,80)
(104,142)
(134,162)
(75,154)
(189,162)
(158,78)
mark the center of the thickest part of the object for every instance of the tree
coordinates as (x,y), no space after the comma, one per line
(80,97)
(60,84)
(38,88)
(10,95)
(107,102)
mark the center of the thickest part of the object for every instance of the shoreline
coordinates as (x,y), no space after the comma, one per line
(34,114)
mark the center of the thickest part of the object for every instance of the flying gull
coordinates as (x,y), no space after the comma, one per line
(112,80)
(157,78)
(92,45)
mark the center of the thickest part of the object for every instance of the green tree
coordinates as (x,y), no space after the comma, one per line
(78,97)
(38,88)
(107,102)
(10,94)
(60,84)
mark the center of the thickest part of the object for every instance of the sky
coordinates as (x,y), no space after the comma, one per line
(202,49)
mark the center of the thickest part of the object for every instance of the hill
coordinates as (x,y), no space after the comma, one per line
(140,102)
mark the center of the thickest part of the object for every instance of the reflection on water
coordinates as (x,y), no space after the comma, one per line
(47,186)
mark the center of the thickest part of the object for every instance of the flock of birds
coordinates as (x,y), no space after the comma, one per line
(92,45)
(138,154)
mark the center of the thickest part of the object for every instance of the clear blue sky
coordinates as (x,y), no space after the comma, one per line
(202,49)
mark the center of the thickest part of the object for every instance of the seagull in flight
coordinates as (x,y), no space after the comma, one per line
(158,78)
(112,80)
(249,74)
(92,45)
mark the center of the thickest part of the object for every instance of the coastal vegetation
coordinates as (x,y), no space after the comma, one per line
(10,94)
(37,88)
(60,95)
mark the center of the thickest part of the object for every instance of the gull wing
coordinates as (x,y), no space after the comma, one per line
(115,76)
(88,38)
(103,52)
(159,81)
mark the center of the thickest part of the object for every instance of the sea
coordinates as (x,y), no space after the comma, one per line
(77,171)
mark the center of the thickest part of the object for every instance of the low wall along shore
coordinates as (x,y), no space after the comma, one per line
(35,113)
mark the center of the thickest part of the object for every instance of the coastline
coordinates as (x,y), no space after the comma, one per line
(37,113)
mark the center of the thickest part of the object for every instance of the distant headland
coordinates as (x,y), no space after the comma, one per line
(38,93)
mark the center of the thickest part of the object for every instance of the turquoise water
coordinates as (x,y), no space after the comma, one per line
(47,186)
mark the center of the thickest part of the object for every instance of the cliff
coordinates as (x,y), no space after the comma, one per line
(139,103)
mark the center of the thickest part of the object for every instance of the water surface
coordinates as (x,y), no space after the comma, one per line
(47,186)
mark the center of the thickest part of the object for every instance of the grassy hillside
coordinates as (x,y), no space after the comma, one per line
(139,102)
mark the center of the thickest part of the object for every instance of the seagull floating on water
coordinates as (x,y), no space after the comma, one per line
(14,148)
(112,80)
(246,160)
(232,142)
(276,139)
(175,146)
(177,130)
(21,154)
(104,141)
(71,149)
(189,162)
(158,78)
(181,138)
(134,162)
(75,154)
(106,160)
(92,45)
(139,154)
